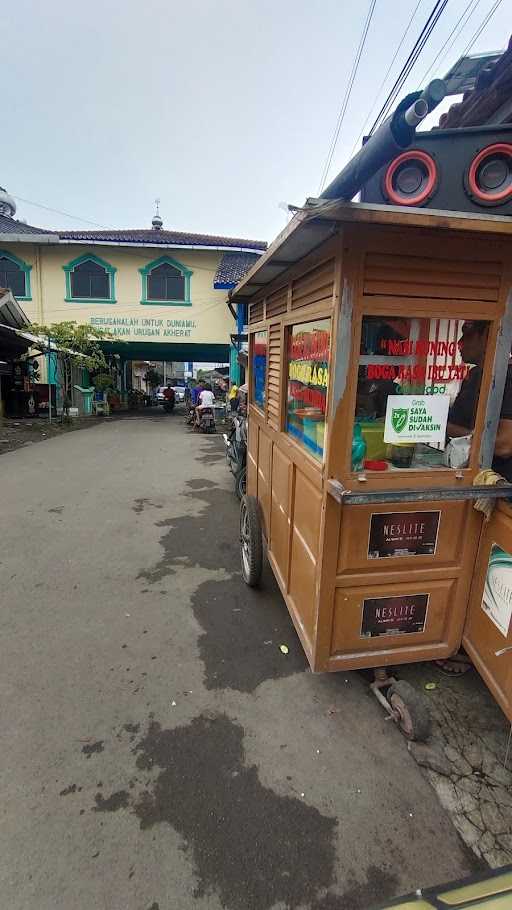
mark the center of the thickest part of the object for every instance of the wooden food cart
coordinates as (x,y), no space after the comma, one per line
(358,310)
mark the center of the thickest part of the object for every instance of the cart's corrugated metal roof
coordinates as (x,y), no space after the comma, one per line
(313,225)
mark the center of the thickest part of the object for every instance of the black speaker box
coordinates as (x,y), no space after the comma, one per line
(458,170)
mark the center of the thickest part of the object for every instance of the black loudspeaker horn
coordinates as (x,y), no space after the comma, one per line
(458,170)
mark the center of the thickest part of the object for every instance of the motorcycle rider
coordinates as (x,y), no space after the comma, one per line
(195,392)
(206,400)
(169,396)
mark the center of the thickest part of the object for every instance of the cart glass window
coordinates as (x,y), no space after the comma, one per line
(308,378)
(259,368)
(417,392)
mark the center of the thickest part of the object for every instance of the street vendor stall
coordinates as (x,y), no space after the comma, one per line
(363,500)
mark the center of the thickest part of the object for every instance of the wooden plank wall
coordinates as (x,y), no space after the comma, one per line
(398,275)
(274,363)
(286,479)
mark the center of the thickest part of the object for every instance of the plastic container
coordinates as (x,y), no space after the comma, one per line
(373,435)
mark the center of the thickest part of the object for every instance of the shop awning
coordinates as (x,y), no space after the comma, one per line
(319,220)
(11,314)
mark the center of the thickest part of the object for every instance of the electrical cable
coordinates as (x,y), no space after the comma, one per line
(47,208)
(411,61)
(479,31)
(346,98)
(420,43)
(455,32)
(390,67)
(193,310)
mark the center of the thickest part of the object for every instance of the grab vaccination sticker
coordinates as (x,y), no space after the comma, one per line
(416,418)
(497,596)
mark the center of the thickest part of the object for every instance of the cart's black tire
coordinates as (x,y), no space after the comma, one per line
(240,482)
(251,541)
(415,721)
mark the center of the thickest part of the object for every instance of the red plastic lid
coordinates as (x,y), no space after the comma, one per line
(375,465)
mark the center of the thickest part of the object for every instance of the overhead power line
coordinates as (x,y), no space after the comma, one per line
(409,64)
(454,34)
(47,208)
(348,91)
(480,29)
(390,67)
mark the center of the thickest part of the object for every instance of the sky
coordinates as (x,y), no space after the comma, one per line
(224,109)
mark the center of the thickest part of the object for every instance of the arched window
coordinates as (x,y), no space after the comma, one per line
(91,279)
(167,282)
(15,275)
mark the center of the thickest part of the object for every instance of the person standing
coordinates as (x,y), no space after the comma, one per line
(233,398)
(461,417)
(461,422)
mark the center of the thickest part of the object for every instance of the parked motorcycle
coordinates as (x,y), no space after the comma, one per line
(236,451)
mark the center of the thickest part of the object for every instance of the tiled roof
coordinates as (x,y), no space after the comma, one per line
(233,267)
(11,226)
(481,105)
(165,238)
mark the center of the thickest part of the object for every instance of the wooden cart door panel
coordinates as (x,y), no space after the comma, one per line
(402,582)
(279,536)
(488,631)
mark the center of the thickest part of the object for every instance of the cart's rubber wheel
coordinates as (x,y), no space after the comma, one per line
(240,480)
(412,708)
(251,542)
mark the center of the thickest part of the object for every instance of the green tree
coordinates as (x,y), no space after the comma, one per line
(102,381)
(153,378)
(70,341)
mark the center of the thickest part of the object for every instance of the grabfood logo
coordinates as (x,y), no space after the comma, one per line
(399,419)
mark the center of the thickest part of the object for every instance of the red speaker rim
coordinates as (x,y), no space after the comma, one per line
(425,194)
(503,195)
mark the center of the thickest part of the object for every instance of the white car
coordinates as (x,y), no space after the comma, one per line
(179,393)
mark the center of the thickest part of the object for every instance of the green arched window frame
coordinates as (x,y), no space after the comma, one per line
(24,268)
(89,257)
(165,260)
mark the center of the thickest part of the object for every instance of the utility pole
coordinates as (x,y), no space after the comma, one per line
(49,385)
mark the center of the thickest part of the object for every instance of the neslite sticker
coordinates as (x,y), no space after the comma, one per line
(400,615)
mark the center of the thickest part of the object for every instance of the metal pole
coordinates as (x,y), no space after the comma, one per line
(494,401)
(49,385)
(165,372)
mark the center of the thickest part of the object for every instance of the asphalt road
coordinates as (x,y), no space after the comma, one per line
(158,749)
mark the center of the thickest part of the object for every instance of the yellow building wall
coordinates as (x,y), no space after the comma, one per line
(206,321)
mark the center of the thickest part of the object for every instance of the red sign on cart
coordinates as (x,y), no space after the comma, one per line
(394,615)
(403,534)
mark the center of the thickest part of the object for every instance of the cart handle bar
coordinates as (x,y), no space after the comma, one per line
(347,497)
